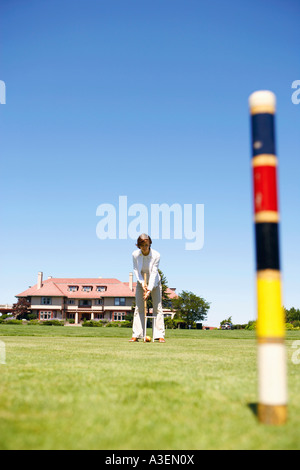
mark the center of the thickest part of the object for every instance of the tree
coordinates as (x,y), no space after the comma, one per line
(229,320)
(292,315)
(190,308)
(21,309)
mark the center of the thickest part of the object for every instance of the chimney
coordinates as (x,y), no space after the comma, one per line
(130,281)
(40,280)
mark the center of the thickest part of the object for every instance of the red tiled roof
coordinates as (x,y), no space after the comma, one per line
(172,293)
(58,287)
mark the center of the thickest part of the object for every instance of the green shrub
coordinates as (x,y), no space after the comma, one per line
(251,325)
(118,324)
(179,323)
(31,316)
(113,324)
(4,317)
(52,323)
(12,321)
(169,323)
(92,323)
(126,324)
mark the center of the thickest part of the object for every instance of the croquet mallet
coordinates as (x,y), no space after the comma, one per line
(145,310)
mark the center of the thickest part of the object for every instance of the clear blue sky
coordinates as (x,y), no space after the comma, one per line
(147,99)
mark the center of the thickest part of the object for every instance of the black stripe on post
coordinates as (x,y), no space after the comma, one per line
(267,246)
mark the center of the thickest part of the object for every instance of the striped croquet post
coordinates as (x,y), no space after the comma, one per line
(272,388)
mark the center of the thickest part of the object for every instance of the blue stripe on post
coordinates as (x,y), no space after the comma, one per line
(263,138)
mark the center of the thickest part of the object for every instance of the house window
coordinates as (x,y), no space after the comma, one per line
(99,302)
(45,315)
(46,301)
(87,288)
(101,288)
(98,316)
(71,301)
(119,301)
(85,303)
(73,288)
(119,316)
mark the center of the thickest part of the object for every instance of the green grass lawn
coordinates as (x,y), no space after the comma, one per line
(89,388)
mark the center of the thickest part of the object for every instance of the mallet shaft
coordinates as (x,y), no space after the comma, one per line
(145,310)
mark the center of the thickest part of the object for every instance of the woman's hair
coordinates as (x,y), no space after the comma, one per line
(141,238)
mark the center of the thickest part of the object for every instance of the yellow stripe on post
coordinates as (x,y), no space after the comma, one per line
(264,108)
(264,160)
(270,315)
(266,216)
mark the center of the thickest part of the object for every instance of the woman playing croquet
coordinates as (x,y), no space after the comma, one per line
(146,261)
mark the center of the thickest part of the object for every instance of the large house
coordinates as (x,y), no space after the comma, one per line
(83,298)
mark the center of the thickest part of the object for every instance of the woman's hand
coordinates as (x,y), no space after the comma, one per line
(146,293)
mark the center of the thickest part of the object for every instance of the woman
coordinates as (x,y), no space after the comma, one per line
(146,260)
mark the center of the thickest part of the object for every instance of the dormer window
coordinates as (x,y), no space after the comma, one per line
(101,288)
(87,288)
(73,288)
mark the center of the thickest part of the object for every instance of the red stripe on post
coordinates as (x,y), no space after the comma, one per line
(265,188)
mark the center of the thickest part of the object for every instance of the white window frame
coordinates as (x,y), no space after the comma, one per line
(45,315)
(101,288)
(73,288)
(120,316)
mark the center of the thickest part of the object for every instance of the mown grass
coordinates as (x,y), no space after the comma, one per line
(88,388)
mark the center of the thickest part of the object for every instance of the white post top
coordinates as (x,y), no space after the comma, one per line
(262,98)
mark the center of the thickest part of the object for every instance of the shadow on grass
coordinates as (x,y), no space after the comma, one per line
(253,408)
